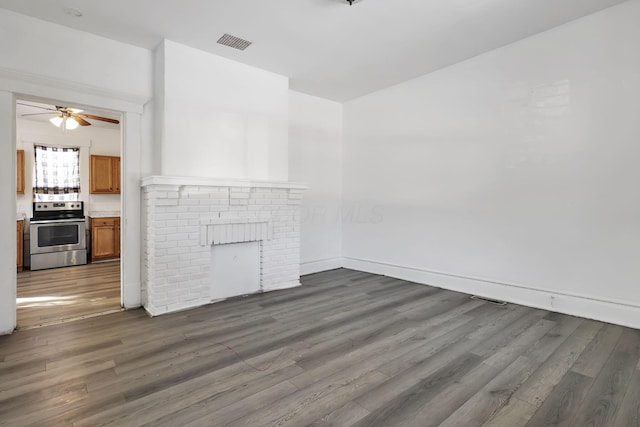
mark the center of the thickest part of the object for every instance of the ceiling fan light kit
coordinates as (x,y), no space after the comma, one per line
(69,122)
(56,121)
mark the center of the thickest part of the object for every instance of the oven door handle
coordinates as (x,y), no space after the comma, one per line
(56,221)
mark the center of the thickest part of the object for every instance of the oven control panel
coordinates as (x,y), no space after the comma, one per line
(52,211)
(57,206)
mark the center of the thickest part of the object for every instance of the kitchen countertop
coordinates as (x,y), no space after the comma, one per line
(103,214)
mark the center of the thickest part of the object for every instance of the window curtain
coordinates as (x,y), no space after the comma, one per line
(57,170)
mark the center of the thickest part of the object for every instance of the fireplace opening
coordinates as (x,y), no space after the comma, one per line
(235,270)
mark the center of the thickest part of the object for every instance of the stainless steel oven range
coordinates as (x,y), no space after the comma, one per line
(58,235)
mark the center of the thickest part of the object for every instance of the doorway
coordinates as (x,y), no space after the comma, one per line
(77,290)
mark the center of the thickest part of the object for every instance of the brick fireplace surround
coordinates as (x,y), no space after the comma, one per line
(183,217)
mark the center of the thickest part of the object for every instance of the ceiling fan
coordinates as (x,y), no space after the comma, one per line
(69,118)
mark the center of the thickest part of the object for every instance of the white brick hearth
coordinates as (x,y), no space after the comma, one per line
(184,217)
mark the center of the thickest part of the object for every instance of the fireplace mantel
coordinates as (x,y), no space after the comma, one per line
(180,181)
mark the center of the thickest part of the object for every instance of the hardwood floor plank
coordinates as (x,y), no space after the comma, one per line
(54,295)
(519,344)
(235,410)
(472,383)
(405,372)
(434,412)
(492,397)
(461,339)
(541,383)
(307,405)
(603,400)
(400,409)
(347,415)
(562,404)
(629,411)
(207,395)
(596,354)
(514,413)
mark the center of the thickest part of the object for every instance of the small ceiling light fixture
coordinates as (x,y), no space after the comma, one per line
(56,121)
(72,12)
(68,123)
(351,2)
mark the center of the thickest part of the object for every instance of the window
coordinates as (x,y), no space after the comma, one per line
(57,174)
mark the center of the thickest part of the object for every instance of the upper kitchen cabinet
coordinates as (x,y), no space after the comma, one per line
(105,175)
(20,171)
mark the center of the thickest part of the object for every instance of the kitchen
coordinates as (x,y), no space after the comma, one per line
(68,213)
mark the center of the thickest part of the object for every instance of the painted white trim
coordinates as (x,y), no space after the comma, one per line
(19,84)
(617,312)
(8,276)
(31,140)
(279,286)
(46,87)
(318,265)
(131,207)
(215,182)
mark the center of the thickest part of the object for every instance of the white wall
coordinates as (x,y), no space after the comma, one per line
(32,46)
(517,169)
(315,158)
(90,140)
(219,118)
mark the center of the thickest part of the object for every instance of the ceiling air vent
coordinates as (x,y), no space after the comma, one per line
(234,42)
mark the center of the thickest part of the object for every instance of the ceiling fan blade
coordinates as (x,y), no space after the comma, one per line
(104,119)
(38,114)
(36,106)
(80,120)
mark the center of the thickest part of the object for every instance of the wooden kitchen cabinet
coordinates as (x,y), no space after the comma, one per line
(20,171)
(116,174)
(105,238)
(104,175)
(19,238)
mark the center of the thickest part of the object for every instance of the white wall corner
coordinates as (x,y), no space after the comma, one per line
(317,266)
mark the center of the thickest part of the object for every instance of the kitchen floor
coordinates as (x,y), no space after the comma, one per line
(69,293)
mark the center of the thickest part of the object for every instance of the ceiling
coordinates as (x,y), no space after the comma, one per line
(31,107)
(326,47)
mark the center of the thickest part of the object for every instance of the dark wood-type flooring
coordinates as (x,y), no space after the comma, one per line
(63,294)
(346,348)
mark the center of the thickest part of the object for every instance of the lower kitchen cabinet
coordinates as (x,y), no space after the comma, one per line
(105,238)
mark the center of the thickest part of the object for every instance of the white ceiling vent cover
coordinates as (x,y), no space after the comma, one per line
(234,42)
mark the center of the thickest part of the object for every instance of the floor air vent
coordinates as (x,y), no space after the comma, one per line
(492,301)
(234,42)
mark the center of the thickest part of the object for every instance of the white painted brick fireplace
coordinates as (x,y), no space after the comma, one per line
(184,217)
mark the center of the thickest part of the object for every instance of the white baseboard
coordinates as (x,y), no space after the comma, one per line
(316,266)
(591,308)
(7,331)
(285,285)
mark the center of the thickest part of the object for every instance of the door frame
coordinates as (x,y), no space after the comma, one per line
(131,108)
